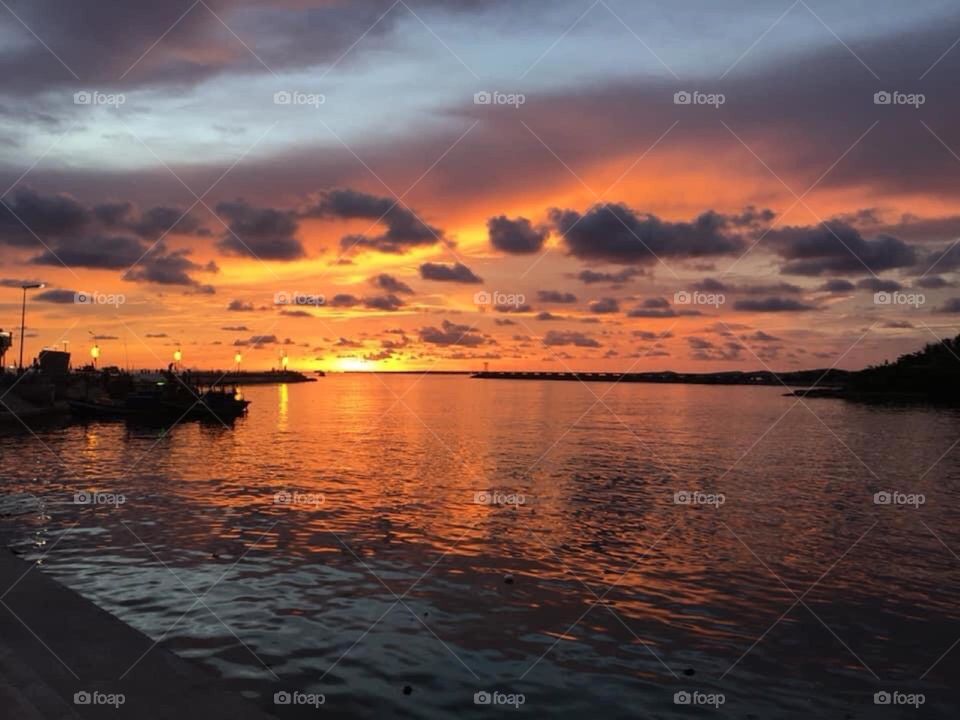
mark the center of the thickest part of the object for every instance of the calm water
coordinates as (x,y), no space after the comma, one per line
(387,572)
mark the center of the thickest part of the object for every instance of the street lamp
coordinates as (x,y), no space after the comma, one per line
(23,314)
(95,354)
(177,357)
(284,361)
(238,358)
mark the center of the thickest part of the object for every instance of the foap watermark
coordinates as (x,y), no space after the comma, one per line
(83,297)
(895,97)
(296,697)
(299,299)
(95,497)
(684,697)
(896,697)
(695,497)
(695,97)
(95,697)
(899,298)
(499,299)
(295,97)
(894,497)
(498,497)
(495,697)
(95,97)
(499,98)
(684,297)
(294,497)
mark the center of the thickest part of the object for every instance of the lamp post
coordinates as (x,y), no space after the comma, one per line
(95,354)
(238,358)
(284,361)
(23,315)
(177,357)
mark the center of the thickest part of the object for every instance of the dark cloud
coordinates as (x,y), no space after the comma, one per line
(835,248)
(703,349)
(259,341)
(169,268)
(761,336)
(592,277)
(451,334)
(240,306)
(457,273)
(557,297)
(343,300)
(932,282)
(951,306)
(118,252)
(615,233)
(517,237)
(605,306)
(263,233)
(771,305)
(391,284)
(58,296)
(837,285)
(389,303)
(879,285)
(159,221)
(16,283)
(404,229)
(556,338)
(28,213)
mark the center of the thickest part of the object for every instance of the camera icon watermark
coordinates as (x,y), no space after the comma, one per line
(695,497)
(684,697)
(495,697)
(895,97)
(95,697)
(899,698)
(94,97)
(485,97)
(294,497)
(93,497)
(296,697)
(914,300)
(82,297)
(894,497)
(683,297)
(497,497)
(695,97)
(294,97)
(499,299)
(299,299)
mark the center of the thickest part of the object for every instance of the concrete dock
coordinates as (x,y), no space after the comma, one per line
(62,658)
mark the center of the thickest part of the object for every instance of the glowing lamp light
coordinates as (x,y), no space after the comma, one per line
(238,358)
(285,362)
(95,354)
(177,356)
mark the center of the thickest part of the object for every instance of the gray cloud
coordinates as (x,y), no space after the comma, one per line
(517,237)
(263,233)
(456,273)
(404,229)
(615,233)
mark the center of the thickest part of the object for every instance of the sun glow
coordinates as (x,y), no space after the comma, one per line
(354,364)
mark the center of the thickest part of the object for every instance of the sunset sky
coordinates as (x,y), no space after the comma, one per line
(440,184)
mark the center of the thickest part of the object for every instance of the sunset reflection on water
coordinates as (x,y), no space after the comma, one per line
(380,568)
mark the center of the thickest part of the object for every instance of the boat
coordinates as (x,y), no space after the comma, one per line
(167,396)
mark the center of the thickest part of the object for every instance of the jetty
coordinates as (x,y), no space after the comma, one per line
(798,378)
